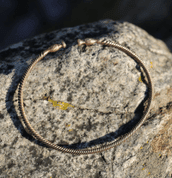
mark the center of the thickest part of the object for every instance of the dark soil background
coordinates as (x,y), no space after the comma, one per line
(24,19)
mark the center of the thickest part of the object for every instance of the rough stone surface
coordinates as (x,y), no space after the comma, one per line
(104,86)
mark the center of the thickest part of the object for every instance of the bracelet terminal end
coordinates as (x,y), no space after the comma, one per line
(56,47)
(88,42)
(63,44)
(80,42)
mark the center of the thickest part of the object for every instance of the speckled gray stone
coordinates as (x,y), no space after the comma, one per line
(104,86)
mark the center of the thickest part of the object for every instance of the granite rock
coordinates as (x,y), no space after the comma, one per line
(105,91)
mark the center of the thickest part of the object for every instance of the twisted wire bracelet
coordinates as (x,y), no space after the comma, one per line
(101,148)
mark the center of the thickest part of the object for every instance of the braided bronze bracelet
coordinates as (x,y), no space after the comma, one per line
(117,141)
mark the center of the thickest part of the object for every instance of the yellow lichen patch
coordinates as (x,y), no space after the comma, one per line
(70,130)
(141,147)
(60,105)
(67,125)
(143,168)
(44,97)
(140,79)
(151,64)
